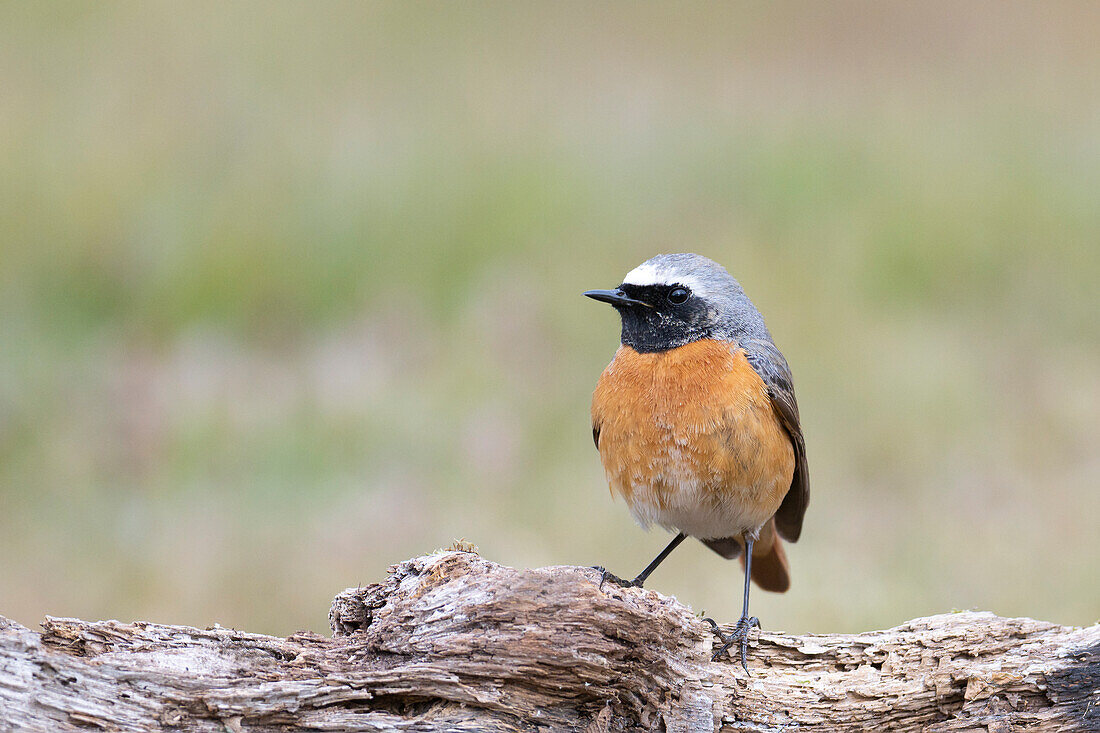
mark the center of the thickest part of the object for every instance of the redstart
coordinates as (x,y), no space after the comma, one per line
(697,425)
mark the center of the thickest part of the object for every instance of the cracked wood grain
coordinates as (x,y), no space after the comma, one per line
(453,642)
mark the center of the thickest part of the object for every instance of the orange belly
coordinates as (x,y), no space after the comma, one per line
(688,437)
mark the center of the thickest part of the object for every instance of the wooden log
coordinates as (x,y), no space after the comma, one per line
(453,642)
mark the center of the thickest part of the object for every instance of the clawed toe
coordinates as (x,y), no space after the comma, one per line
(608,576)
(740,635)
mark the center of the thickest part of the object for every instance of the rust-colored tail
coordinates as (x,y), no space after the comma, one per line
(770,570)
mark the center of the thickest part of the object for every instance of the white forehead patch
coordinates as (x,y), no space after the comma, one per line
(650,273)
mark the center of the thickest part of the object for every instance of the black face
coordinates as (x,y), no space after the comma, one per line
(675,316)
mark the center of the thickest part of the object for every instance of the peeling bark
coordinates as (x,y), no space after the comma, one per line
(453,642)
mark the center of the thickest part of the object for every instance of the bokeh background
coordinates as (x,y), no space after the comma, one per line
(291,292)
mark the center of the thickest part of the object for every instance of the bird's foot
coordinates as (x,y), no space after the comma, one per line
(739,635)
(606,575)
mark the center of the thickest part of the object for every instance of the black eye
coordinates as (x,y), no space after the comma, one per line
(679,295)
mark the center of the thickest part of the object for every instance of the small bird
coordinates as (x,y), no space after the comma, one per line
(696,422)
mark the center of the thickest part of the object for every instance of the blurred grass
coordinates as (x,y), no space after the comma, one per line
(290,293)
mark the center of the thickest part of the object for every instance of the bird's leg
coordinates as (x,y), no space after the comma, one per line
(746,623)
(638,581)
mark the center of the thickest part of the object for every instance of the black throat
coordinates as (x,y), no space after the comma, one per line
(665,325)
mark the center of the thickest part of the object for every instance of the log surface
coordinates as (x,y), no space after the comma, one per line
(453,642)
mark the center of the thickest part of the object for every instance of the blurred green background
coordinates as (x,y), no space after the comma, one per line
(291,292)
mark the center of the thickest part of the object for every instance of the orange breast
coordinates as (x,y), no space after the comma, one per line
(689,438)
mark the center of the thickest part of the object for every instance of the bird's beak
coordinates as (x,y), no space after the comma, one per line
(615,297)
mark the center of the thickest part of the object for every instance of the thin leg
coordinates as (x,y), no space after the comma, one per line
(659,559)
(748,576)
(745,624)
(638,581)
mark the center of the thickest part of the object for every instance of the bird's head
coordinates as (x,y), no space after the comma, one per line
(674,299)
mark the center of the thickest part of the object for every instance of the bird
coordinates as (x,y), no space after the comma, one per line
(697,425)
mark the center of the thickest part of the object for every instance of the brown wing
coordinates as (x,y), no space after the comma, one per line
(769,363)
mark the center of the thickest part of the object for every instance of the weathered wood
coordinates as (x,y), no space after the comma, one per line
(453,642)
